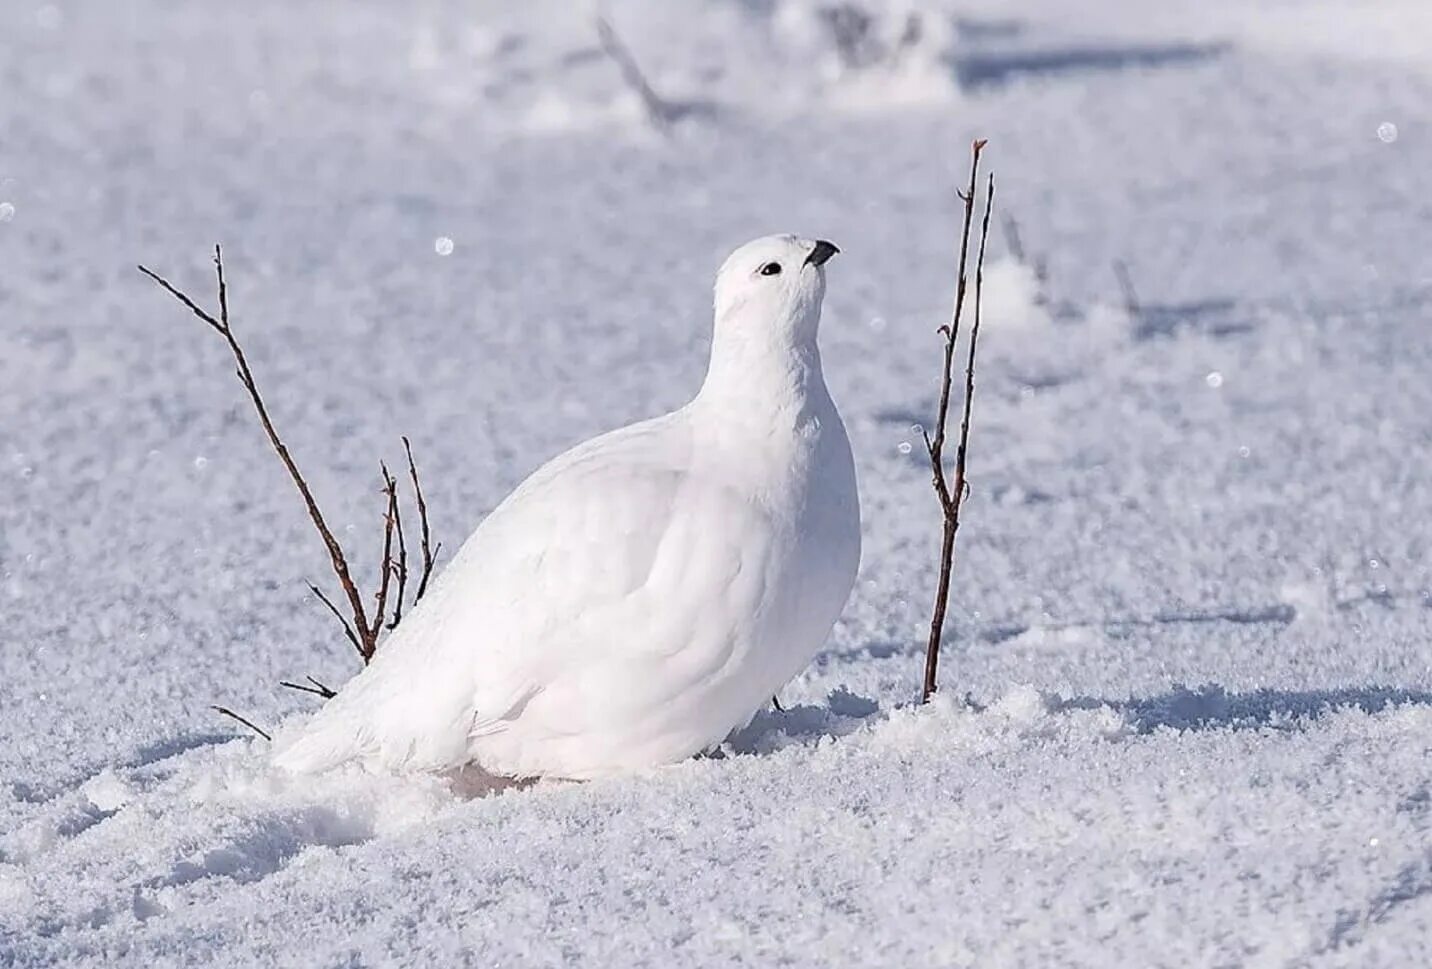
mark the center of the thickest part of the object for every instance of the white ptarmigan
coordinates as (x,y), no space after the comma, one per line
(645,593)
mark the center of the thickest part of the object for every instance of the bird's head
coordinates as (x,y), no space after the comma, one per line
(774,284)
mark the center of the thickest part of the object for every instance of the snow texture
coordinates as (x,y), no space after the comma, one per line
(1187,716)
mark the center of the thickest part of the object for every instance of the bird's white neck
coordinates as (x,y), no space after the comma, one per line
(764,387)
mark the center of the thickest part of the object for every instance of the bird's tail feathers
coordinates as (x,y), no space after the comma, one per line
(319,745)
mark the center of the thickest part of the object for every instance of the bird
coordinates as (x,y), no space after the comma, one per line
(645,593)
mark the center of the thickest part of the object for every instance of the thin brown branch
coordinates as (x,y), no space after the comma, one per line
(313,686)
(952,497)
(182,298)
(380,613)
(937,621)
(361,633)
(246,377)
(225,711)
(342,619)
(961,486)
(399,567)
(223,288)
(935,446)
(429,552)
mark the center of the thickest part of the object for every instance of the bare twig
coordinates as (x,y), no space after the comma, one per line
(429,552)
(347,627)
(951,497)
(399,566)
(315,688)
(961,488)
(246,377)
(225,711)
(385,570)
(361,633)
(970,362)
(1126,286)
(184,299)
(658,111)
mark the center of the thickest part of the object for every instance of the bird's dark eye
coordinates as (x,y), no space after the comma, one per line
(771,269)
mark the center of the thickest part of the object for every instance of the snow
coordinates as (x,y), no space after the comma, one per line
(1188,697)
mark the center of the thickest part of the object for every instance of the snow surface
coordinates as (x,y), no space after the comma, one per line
(1188,704)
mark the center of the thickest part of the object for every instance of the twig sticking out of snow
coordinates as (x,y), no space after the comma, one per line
(1126,286)
(952,495)
(429,550)
(225,711)
(360,631)
(400,564)
(314,687)
(1015,241)
(386,567)
(659,112)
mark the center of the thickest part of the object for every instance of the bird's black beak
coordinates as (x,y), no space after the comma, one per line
(823,250)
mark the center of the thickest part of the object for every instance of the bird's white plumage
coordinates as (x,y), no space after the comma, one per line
(643,594)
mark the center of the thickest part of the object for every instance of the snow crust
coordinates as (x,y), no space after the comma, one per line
(1187,716)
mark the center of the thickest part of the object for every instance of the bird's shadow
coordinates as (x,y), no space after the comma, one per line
(772,730)
(1276,614)
(1182,708)
(1211,707)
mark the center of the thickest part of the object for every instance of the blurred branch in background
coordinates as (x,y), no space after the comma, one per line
(659,112)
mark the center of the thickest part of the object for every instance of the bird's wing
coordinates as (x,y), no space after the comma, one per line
(592,565)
